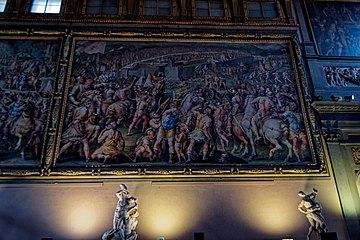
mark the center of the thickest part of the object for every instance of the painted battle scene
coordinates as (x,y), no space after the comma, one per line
(27,73)
(336,27)
(182,103)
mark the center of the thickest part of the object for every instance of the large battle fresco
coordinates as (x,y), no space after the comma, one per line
(27,75)
(171,103)
(336,27)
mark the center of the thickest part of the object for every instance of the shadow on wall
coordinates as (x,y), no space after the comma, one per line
(10,227)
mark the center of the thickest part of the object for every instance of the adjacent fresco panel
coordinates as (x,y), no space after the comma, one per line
(156,103)
(27,75)
(336,26)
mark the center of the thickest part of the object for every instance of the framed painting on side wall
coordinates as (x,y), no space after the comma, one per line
(28,67)
(157,106)
(336,27)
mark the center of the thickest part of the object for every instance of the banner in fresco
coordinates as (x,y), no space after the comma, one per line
(27,75)
(168,103)
(336,27)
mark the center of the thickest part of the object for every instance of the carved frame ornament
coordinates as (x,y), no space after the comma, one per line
(356,154)
(212,67)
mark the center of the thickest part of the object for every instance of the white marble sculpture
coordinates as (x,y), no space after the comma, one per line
(125,217)
(312,209)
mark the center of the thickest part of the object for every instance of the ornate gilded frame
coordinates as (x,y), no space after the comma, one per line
(55,44)
(50,169)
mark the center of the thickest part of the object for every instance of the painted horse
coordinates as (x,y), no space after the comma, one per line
(274,130)
(22,127)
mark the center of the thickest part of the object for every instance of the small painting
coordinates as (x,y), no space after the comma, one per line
(336,26)
(342,76)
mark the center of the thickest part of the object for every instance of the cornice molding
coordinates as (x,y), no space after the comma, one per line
(215,22)
(336,107)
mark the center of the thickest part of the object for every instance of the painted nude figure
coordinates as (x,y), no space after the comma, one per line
(180,141)
(144,146)
(141,113)
(312,210)
(112,143)
(201,134)
(76,133)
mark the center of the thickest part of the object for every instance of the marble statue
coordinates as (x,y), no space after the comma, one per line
(125,217)
(312,210)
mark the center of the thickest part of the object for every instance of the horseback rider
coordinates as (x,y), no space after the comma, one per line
(265,107)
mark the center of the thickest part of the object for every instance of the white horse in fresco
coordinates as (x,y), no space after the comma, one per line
(274,130)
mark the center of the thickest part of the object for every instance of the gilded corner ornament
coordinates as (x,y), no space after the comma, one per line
(356,154)
(331,131)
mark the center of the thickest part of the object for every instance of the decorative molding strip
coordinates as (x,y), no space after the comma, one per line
(181,173)
(336,107)
(19,173)
(148,21)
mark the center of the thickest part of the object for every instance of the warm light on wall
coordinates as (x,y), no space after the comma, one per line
(275,218)
(79,216)
(269,213)
(167,219)
(168,214)
(173,212)
(82,219)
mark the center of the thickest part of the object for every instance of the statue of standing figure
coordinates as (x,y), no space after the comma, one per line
(312,210)
(125,217)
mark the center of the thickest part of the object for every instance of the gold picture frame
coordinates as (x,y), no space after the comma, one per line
(224,64)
